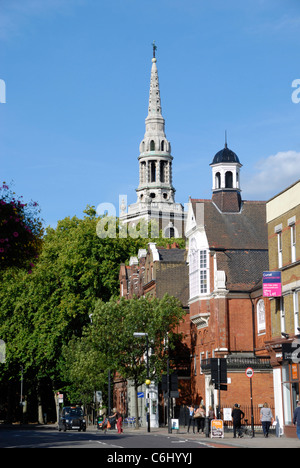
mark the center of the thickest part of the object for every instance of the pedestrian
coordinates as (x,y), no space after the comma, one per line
(199,416)
(266,418)
(191,418)
(237,416)
(118,418)
(296,419)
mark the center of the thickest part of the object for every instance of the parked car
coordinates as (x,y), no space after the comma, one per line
(72,417)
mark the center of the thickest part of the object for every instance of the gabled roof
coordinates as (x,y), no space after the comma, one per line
(246,229)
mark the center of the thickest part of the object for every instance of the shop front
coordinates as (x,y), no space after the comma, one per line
(286,368)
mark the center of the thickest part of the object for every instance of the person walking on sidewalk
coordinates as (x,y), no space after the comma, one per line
(266,418)
(200,418)
(237,416)
(296,419)
(191,417)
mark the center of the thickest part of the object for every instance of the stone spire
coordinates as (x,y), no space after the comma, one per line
(155,193)
(155,150)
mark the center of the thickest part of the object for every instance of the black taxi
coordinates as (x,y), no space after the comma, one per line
(72,418)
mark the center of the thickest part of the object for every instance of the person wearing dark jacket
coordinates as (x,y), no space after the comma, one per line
(237,416)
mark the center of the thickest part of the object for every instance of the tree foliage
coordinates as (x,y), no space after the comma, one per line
(41,312)
(108,342)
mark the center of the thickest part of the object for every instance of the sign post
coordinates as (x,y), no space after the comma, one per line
(250,374)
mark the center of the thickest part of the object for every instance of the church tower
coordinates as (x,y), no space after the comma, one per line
(155,193)
(155,151)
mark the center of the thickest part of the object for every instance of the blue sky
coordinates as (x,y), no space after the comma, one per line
(77,76)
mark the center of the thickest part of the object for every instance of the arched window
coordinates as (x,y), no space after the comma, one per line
(163,145)
(162,171)
(170,233)
(218,180)
(152,145)
(228,180)
(261,317)
(153,171)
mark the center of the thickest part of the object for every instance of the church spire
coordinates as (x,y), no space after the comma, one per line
(155,192)
(154,108)
(155,150)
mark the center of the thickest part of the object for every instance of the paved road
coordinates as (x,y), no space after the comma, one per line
(51,438)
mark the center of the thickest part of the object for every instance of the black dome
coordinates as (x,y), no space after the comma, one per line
(226,156)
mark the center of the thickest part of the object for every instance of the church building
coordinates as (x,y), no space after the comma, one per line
(155,193)
(228,253)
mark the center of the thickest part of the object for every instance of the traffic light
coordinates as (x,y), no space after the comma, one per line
(218,371)
(173,384)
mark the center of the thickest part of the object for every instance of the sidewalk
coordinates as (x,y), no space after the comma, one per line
(257,442)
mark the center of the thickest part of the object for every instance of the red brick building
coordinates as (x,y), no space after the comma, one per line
(157,271)
(228,252)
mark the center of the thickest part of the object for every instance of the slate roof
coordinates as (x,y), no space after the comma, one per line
(244,230)
(239,239)
(171,255)
(243,268)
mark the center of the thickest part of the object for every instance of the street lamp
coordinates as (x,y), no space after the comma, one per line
(148,381)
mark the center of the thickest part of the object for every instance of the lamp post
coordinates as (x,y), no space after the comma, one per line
(148,381)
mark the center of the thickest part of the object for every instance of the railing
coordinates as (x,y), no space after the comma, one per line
(247,411)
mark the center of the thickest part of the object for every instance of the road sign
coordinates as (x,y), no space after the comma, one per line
(141,395)
(249,372)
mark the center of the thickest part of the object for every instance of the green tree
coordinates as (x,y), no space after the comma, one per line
(40,312)
(114,324)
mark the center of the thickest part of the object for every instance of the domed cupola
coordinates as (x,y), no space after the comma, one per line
(225,156)
(226,179)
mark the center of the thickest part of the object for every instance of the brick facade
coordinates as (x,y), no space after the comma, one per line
(283,216)
(231,316)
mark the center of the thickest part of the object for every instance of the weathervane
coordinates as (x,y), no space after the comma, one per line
(154,48)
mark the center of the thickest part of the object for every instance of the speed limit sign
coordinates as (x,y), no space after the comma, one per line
(249,372)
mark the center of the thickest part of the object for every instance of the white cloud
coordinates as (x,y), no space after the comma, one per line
(273,175)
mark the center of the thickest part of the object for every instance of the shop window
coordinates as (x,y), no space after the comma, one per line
(290,391)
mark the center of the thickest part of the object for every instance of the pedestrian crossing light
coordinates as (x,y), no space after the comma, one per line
(148,382)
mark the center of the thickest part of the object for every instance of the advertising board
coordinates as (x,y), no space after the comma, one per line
(272,284)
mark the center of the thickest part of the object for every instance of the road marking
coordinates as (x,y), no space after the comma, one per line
(109,445)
